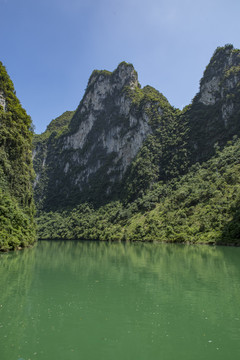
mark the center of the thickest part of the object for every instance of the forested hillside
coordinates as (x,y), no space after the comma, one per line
(17,228)
(129,166)
(202,206)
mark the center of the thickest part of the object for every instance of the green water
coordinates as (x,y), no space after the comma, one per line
(74,300)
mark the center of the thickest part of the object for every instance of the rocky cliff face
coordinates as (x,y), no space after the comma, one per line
(122,136)
(105,124)
(103,137)
(2,100)
(214,116)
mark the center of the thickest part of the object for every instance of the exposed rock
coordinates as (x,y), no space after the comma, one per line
(85,157)
(209,91)
(221,75)
(213,113)
(104,137)
(2,100)
(77,140)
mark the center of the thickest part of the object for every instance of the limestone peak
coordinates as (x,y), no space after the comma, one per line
(123,75)
(126,75)
(224,61)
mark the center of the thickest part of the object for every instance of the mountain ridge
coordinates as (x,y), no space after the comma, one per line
(116,120)
(126,147)
(109,127)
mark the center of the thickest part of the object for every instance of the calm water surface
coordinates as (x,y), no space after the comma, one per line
(88,300)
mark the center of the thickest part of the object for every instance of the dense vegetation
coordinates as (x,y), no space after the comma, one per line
(17,228)
(183,185)
(42,143)
(163,154)
(202,206)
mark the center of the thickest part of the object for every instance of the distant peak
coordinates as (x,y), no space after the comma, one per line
(96,74)
(126,73)
(215,81)
(223,58)
(223,50)
(124,65)
(123,75)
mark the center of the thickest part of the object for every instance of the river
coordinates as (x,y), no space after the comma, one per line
(71,300)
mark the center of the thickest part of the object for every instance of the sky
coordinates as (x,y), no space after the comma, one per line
(51,47)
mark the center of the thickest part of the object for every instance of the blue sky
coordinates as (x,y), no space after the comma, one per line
(51,47)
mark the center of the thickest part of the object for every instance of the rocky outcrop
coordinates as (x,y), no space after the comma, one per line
(107,122)
(209,91)
(122,132)
(214,113)
(2,100)
(104,136)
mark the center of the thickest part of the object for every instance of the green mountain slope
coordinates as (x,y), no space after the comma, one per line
(130,166)
(44,144)
(89,160)
(17,228)
(202,206)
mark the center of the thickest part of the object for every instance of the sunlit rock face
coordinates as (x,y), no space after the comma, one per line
(209,91)
(105,135)
(87,156)
(214,114)
(107,123)
(2,100)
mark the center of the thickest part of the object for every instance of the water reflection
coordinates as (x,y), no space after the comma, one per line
(16,274)
(65,295)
